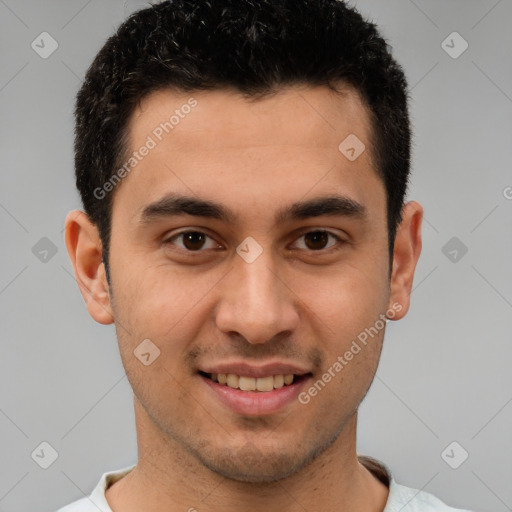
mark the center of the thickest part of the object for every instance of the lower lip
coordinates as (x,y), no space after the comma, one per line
(256,403)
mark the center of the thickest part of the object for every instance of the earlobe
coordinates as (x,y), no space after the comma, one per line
(405,257)
(85,251)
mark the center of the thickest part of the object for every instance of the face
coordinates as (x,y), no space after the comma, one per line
(247,245)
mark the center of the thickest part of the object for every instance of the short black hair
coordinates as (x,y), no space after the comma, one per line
(255,47)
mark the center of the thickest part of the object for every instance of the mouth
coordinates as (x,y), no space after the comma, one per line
(255,396)
(260,384)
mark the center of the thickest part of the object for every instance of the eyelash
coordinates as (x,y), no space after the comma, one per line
(169,241)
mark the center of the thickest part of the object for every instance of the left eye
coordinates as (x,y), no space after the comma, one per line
(193,241)
(318,237)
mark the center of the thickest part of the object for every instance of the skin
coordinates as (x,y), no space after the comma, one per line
(300,301)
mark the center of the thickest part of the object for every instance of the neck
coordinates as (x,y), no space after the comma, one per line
(168,477)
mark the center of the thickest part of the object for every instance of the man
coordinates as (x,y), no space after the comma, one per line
(243,167)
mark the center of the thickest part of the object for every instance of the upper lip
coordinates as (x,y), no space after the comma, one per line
(247,370)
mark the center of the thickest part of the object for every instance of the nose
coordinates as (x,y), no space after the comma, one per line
(256,302)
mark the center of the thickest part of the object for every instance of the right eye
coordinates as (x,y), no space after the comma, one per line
(192,241)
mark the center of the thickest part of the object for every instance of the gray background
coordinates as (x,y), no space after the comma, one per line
(445,369)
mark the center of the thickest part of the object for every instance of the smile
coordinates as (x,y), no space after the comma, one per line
(245,383)
(255,396)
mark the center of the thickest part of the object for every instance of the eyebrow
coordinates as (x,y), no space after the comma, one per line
(176,205)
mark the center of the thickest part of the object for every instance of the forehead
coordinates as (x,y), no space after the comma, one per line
(251,121)
(218,143)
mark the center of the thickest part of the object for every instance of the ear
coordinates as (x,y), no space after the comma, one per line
(85,251)
(405,257)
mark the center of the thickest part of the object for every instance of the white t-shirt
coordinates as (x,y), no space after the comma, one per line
(400,499)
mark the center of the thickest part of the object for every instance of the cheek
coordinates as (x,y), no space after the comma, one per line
(345,301)
(164,305)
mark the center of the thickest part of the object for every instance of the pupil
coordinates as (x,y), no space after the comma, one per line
(193,240)
(317,236)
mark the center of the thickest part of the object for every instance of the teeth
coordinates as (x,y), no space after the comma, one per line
(232,381)
(265,383)
(251,383)
(247,383)
(278,381)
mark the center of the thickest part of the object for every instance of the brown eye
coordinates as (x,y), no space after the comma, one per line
(318,240)
(192,241)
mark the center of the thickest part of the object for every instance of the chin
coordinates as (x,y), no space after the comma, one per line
(257,472)
(249,464)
